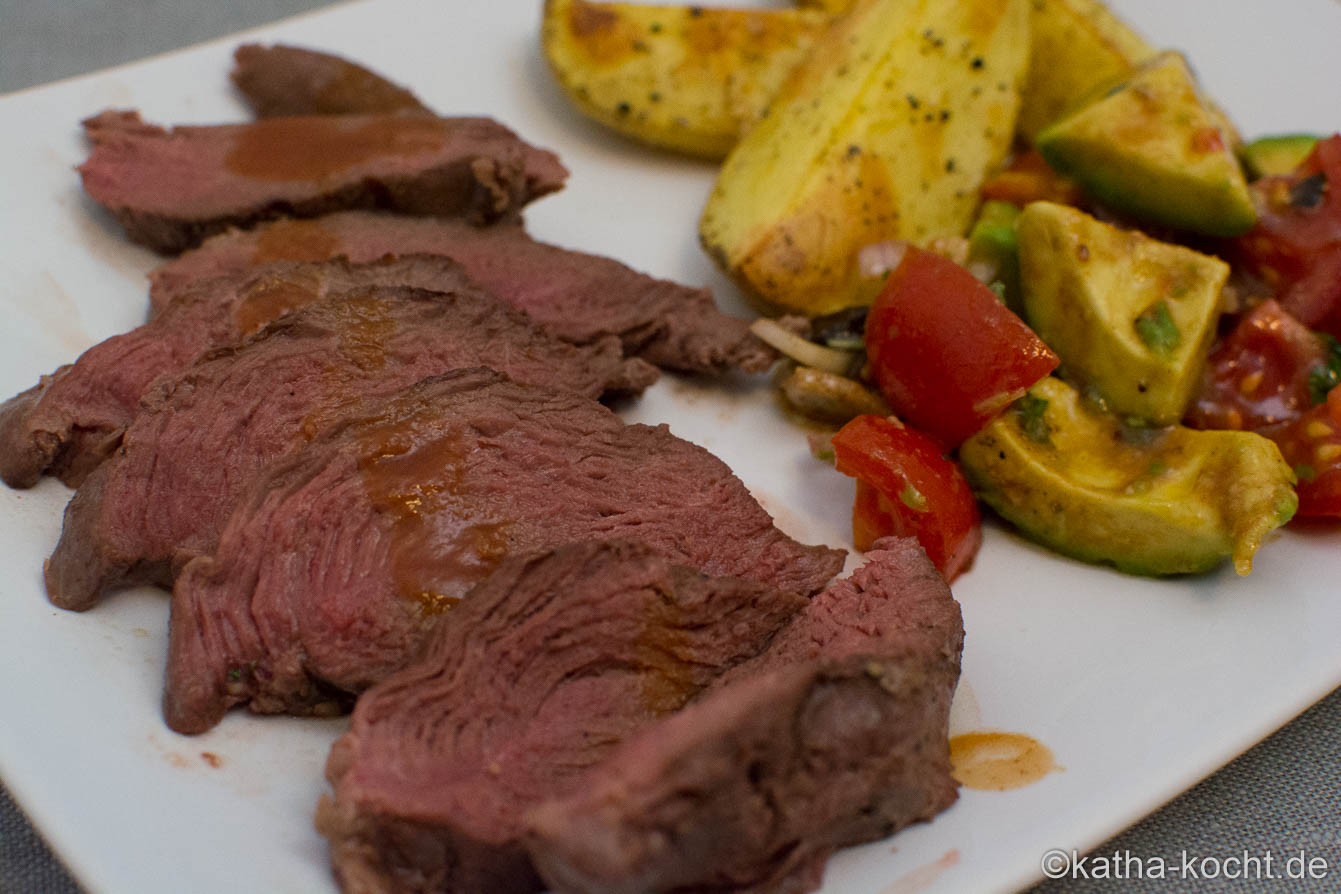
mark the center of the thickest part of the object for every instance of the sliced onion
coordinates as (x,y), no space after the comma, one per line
(802,351)
(880,258)
(983,271)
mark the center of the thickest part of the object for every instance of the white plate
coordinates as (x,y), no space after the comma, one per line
(1140,687)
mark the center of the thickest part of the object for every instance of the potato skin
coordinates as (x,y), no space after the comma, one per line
(685,78)
(885,131)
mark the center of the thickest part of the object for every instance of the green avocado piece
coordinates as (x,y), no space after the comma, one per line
(1129,316)
(1147,501)
(1277,155)
(992,242)
(1152,147)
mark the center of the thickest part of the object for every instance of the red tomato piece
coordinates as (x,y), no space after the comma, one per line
(906,487)
(1258,375)
(1312,445)
(946,353)
(1296,244)
(1029,179)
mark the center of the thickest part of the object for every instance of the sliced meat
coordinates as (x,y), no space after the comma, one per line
(284,80)
(588,721)
(580,296)
(172,188)
(443,760)
(835,735)
(206,433)
(73,419)
(396,513)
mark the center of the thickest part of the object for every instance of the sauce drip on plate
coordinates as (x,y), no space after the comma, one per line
(997,762)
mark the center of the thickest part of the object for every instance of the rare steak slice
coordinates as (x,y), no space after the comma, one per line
(392,515)
(580,296)
(284,80)
(835,735)
(206,433)
(72,419)
(524,688)
(172,188)
(588,721)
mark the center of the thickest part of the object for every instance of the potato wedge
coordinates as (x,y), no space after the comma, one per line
(829,6)
(885,131)
(1078,46)
(686,78)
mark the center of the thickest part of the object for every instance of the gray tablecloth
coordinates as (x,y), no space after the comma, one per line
(1283,797)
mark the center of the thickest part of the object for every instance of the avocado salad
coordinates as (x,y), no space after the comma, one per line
(1155,385)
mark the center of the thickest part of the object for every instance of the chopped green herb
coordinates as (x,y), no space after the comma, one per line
(1326,375)
(1305,472)
(821,447)
(913,498)
(1157,329)
(998,289)
(1029,412)
(234,675)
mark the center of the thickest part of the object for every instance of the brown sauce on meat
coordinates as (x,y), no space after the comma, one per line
(295,240)
(666,683)
(365,325)
(443,538)
(313,148)
(996,761)
(269,300)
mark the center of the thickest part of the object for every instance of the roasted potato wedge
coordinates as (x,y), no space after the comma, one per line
(829,6)
(686,78)
(885,131)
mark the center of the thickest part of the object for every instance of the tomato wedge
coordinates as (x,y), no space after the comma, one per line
(1312,445)
(1029,179)
(1263,373)
(1296,244)
(948,355)
(906,487)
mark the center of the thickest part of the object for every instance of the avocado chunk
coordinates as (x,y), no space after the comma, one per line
(1153,147)
(992,244)
(1075,47)
(1129,316)
(1147,501)
(1277,155)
